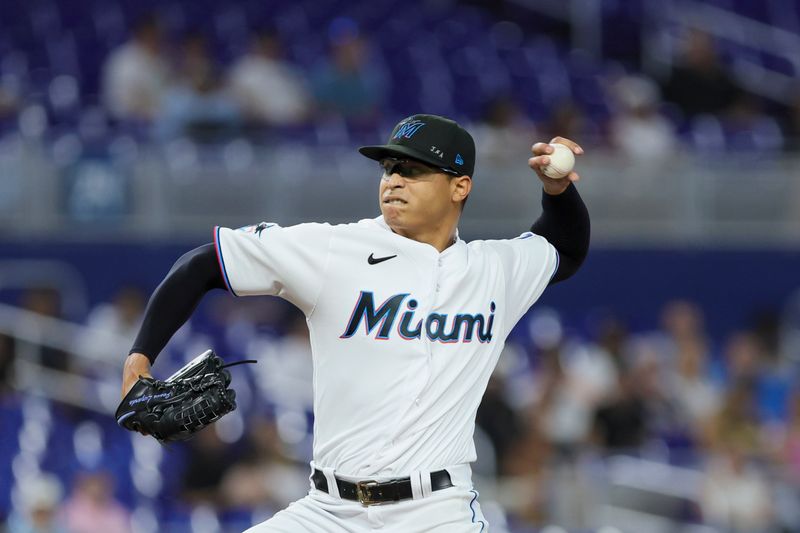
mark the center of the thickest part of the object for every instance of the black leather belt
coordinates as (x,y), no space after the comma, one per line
(370,492)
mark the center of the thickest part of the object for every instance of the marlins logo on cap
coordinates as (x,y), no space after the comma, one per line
(408,129)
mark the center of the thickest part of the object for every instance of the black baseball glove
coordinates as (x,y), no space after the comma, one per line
(183,404)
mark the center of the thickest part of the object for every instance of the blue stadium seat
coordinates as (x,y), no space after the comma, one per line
(755,10)
(45,19)
(779,64)
(784,14)
(108,24)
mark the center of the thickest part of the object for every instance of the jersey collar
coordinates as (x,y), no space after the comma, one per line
(382,224)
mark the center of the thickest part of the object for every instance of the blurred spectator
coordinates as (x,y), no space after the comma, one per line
(269,89)
(655,371)
(767,328)
(682,329)
(196,105)
(736,424)
(135,75)
(91,508)
(638,131)
(348,84)
(735,495)
(38,502)
(611,346)
(505,131)
(743,359)
(113,323)
(566,119)
(46,303)
(620,424)
(699,82)
(693,391)
(565,416)
(498,419)
(748,363)
(207,462)
(9,101)
(263,476)
(681,348)
(572,383)
(525,474)
(194,61)
(639,409)
(285,367)
(749,129)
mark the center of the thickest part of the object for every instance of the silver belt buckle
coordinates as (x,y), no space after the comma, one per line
(364,492)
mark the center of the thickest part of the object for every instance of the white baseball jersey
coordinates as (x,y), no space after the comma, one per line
(404,338)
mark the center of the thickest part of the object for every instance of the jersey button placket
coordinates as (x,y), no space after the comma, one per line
(436,267)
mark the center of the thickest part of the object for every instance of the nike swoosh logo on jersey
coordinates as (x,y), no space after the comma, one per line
(375,260)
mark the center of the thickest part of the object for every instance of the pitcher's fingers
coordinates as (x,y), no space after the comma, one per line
(575,147)
(539,162)
(541,149)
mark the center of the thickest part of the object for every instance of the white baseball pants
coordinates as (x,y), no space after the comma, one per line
(451,510)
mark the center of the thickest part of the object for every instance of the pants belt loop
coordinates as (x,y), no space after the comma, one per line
(333,487)
(416,484)
(426,483)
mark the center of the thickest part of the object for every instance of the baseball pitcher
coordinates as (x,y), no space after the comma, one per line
(407,322)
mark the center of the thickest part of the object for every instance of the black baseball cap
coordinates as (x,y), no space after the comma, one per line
(435,140)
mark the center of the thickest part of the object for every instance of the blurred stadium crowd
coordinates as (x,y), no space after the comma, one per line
(609,429)
(645,430)
(302,70)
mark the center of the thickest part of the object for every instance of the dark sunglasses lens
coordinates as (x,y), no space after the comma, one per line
(389,166)
(407,169)
(398,166)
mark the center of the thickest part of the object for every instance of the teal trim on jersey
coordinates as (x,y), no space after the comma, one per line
(558,260)
(482,523)
(221,261)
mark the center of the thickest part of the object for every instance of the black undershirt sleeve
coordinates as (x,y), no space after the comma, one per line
(565,224)
(174,300)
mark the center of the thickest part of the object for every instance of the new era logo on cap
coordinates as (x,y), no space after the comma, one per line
(432,139)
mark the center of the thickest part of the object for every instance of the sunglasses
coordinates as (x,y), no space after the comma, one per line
(407,168)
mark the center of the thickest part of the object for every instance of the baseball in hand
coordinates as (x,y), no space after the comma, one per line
(561,162)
